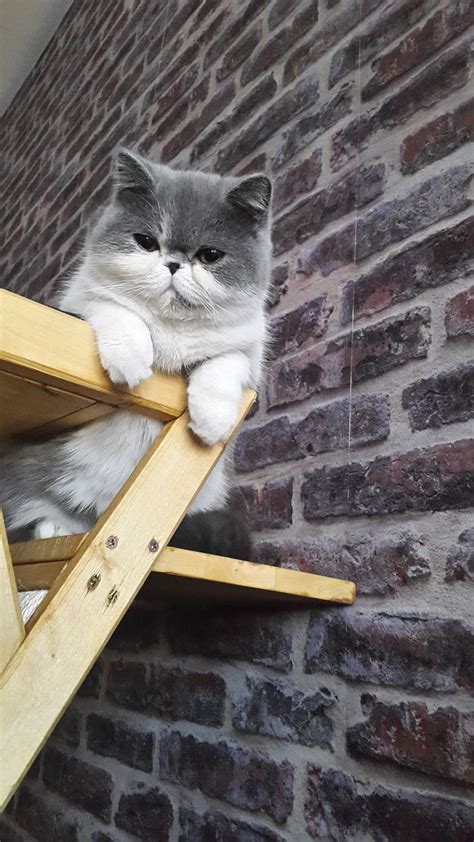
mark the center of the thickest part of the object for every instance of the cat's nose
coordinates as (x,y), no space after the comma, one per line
(173,266)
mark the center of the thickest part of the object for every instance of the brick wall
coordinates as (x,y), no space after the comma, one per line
(334,724)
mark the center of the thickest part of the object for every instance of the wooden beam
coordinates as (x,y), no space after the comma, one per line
(34,572)
(50,347)
(12,631)
(85,604)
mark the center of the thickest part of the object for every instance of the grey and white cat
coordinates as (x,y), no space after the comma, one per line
(174,275)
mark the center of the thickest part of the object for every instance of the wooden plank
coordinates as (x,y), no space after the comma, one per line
(12,630)
(85,604)
(192,567)
(27,405)
(51,347)
(39,576)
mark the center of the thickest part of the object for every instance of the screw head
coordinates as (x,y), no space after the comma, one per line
(153,546)
(93,581)
(111,542)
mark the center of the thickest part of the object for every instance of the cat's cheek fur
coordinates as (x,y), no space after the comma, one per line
(124,343)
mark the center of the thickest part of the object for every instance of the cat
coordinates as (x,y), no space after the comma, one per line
(173,275)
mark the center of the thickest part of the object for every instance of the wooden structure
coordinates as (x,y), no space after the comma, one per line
(51,380)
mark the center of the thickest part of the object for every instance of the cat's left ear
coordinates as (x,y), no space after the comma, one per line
(252,194)
(132,175)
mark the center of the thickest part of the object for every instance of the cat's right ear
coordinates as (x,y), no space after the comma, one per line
(132,176)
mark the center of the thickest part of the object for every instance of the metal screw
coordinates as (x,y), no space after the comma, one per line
(111,542)
(93,581)
(112,596)
(153,546)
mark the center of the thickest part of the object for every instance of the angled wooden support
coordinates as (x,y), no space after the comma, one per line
(87,601)
(12,630)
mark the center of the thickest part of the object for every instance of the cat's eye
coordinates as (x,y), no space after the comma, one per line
(146,242)
(209,255)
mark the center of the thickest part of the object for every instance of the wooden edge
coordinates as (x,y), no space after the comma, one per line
(86,603)
(191,565)
(39,576)
(12,630)
(48,346)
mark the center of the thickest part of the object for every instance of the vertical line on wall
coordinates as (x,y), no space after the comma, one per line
(356,226)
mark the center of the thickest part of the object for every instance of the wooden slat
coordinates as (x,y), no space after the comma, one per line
(191,568)
(81,611)
(12,630)
(44,345)
(27,405)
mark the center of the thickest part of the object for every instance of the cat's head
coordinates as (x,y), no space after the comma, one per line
(189,244)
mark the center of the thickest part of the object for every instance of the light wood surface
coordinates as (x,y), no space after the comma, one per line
(37,564)
(85,604)
(51,348)
(12,630)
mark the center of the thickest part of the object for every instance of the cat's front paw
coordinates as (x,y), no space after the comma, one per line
(127,359)
(211,419)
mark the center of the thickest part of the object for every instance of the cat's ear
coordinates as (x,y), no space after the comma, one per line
(252,195)
(132,175)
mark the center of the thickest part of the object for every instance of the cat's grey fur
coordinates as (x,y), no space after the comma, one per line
(205,320)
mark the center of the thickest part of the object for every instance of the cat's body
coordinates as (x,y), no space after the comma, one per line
(156,295)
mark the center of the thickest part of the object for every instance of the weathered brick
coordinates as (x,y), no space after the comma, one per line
(336,806)
(79,782)
(431,479)
(385,30)
(442,399)
(139,629)
(10,834)
(400,651)
(438,259)
(184,694)
(117,738)
(280,9)
(378,568)
(274,48)
(223,770)
(185,136)
(266,445)
(390,222)
(327,35)
(460,561)
(279,710)
(370,352)
(311,215)
(127,684)
(145,813)
(294,329)
(161,101)
(239,52)
(247,636)
(459,314)
(216,827)
(233,29)
(438,138)
(419,44)
(42,820)
(68,729)
(299,179)
(407,734)
(270,506)
(91,686)
(427,88)
(267,123)
(279,285)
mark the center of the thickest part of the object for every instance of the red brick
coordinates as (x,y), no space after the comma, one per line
(337,806)
(35,815)
(233,29)
(280,10)
(279,285)
(460,561)
(419,44)
(274,48)
(80,783)
(429,86)
(299,179)
(223,770)
(68,729)
(278,710)
(398,651)
(138,630)
(384,31)
(390,222)
(146,813)
(459,314)
(270,506)
(127,685)
(407,734)
(370,352)
(239,52)
(189,132)
(295,329)
(445,398)
(216,827)
(269,444)
(378,568)
(184,694)
(438,138)
(117,738)
(430,479)
(438,259)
